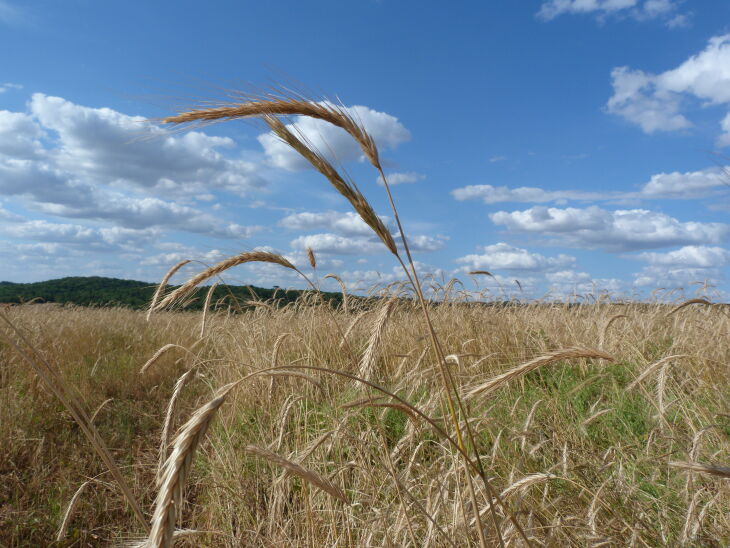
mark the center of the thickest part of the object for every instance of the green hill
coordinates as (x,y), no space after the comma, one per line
(99,291)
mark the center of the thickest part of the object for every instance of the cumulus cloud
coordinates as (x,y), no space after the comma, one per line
(692,184)
(491,195)
(88,238)
(397,178)
(636,9)
(98,164)
(105,146)
(565,283)
(619,230)
(690,256)
(19,135)
(332,141)
(346,224)
(667,277)
(348,234)
(675,185)
(338,245)
(655,101)
(502,256)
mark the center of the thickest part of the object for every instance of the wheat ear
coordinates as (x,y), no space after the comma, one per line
(547,359)
(206,306)
(282,105)
(296,469)
(348,190)
(69,511)
(376,336)
(721,471)
(163,285)
(167,426)
(343,287)
(248,257)
(176,470)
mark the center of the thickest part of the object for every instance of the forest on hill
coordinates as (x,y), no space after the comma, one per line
(107,292)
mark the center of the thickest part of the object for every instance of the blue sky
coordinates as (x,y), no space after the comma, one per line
(573,145)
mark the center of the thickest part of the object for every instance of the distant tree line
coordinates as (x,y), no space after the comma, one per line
(107,292)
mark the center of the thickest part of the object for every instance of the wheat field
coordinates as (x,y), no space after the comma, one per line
(417,417)
(583,451)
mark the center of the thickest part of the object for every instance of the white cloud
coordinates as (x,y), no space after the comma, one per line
(85,163)
(502,256)
(691,256)
(96,239)
(619,230)
(692,184)
(7,86)
(662,276)
(649,9)
(655,101)
(19,136)
(491,195)
(637,98)
(565,283)
(339,245)
(396,178)
(103,146)
(346,224)
(348,234)
(332,141)
(675,185)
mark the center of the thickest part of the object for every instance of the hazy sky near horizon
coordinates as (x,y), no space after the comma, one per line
(573,145)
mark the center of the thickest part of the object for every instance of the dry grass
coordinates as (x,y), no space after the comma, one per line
(412,463)
(602,460)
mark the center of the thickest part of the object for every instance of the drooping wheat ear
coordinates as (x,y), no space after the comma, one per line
(347,189)
(103,404)
(344,290)
(206,306)
(722,471)
(653,367)
(248,257)
(176,470)
(612,319)
(163,285)
(285,105)
(352,325)
(277,344)
(689,302)
(376,336)
(547,359)
(525,482)
(311,257)
(296,469)
(481,272)
(686,529)
(157,355)
(69,511)
(167,426)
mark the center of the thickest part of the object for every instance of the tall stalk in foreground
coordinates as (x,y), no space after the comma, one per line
(270,107)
